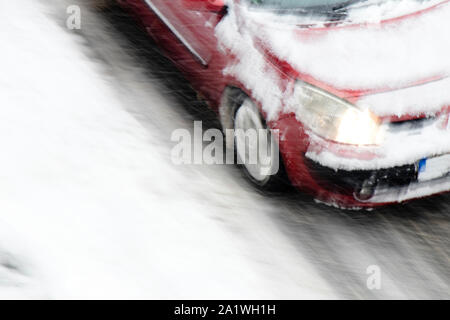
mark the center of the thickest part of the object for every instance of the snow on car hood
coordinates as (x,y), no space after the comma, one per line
(363,57)
(370,56)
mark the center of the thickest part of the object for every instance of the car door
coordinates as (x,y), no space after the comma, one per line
(188,38)
(193,29)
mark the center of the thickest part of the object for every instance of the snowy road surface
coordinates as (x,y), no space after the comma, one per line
(92,207)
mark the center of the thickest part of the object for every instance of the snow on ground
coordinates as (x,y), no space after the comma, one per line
(90,205)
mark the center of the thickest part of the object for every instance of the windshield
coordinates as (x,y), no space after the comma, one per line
(321,5)
(332,9)
(300,4)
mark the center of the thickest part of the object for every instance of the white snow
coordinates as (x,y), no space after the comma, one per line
(375,11)
(91,206)
(428,98)
(249,67)
(373,56)
(398,148)
(391,58)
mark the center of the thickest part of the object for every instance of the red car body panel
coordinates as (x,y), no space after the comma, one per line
(197,28)
(188,39)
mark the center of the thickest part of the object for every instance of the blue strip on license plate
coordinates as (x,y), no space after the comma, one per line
(423,165)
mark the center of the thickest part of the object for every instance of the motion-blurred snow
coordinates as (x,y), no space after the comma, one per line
(90,205)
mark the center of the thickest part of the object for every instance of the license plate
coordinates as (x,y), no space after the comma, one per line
(434,168)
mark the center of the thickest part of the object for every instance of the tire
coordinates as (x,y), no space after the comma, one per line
(269,177)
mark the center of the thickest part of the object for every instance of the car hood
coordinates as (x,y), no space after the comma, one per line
(408,55)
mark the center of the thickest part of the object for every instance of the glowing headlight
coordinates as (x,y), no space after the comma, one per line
(335,119)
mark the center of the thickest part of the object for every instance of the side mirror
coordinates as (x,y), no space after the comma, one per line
(204,5)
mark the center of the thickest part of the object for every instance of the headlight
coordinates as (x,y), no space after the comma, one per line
(335,119)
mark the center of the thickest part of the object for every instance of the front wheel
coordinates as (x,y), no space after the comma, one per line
(256,149)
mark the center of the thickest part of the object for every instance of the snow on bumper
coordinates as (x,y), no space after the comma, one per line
(412,162)
(405,143)
(413,191)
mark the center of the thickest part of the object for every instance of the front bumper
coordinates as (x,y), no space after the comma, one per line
(391,172)
(412,191)
(391,185)
(366,176)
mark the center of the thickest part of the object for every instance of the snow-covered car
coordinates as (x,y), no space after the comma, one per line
(359,91)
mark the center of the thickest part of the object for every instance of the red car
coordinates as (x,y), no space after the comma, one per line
(358,90)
